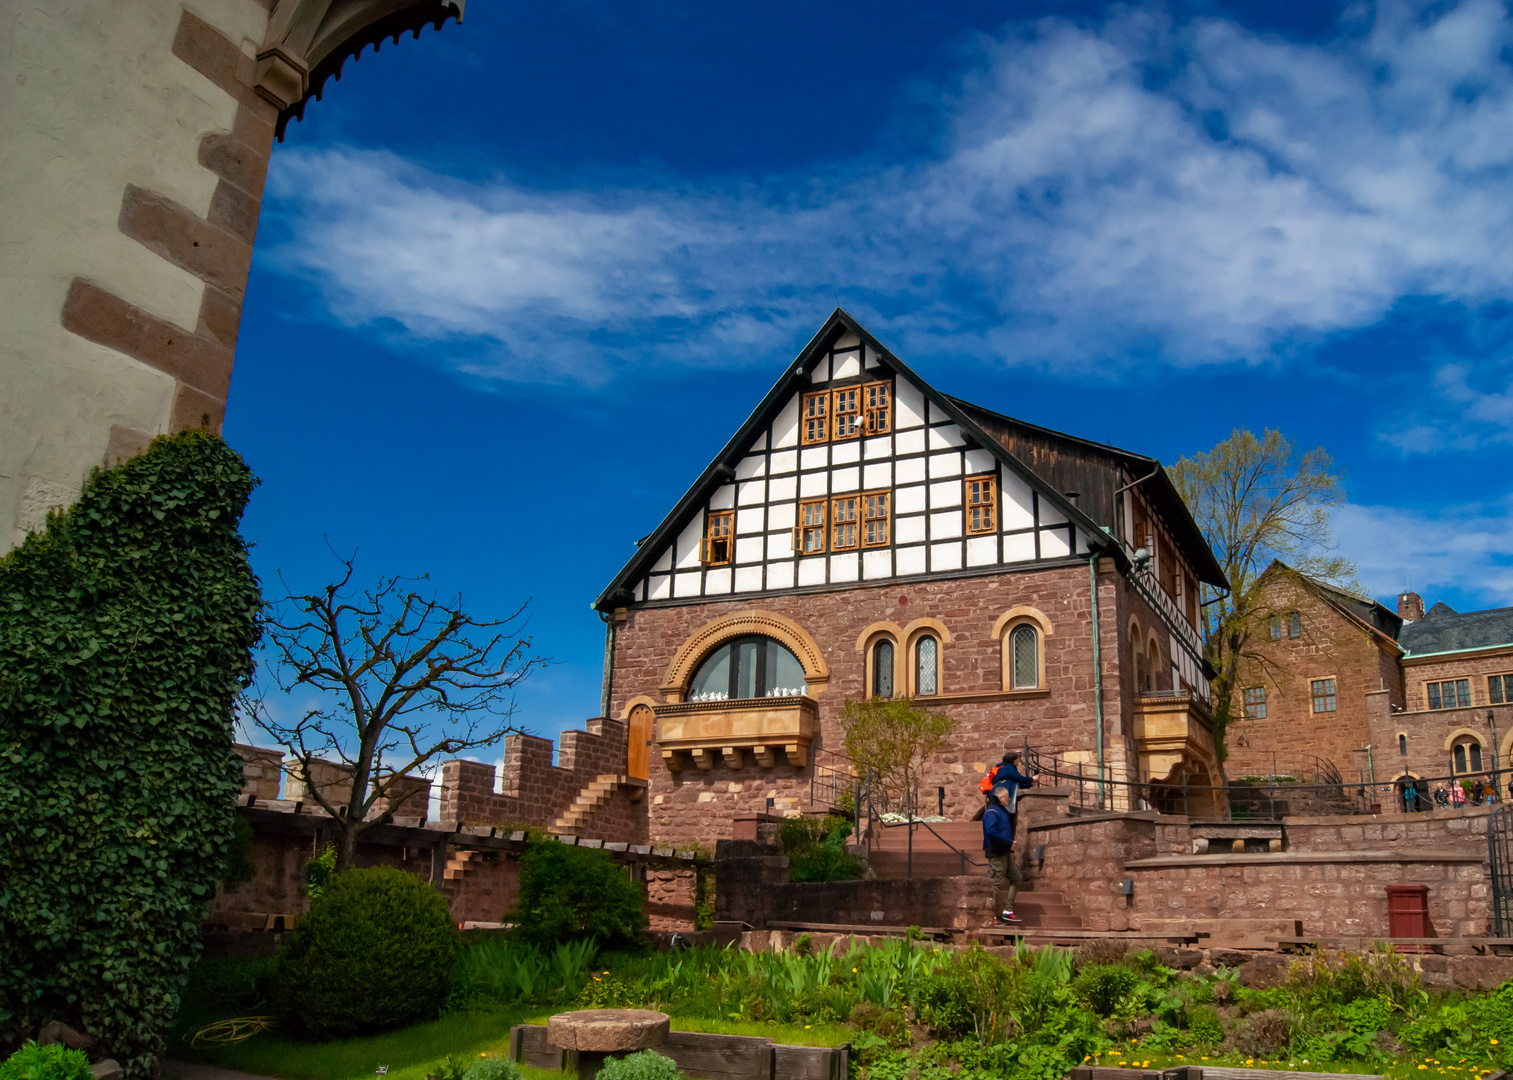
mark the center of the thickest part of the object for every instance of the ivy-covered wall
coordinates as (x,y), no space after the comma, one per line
(126,630)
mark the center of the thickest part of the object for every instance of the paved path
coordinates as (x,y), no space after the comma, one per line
(188,1070)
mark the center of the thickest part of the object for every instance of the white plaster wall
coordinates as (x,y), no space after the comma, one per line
(91,99)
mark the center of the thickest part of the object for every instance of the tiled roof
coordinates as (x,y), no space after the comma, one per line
(1443,629)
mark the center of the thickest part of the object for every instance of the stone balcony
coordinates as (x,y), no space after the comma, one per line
(706,731)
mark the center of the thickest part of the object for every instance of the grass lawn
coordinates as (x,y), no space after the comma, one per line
(410,1053)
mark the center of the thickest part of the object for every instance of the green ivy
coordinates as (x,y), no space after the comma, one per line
(126,632)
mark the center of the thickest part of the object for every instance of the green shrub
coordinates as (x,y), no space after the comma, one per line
(55,1062)
(493,1069)
(1105,986)
(1204,1028)
(126,633)
(575,894)
(375,951)
(646,1065)
(816,849)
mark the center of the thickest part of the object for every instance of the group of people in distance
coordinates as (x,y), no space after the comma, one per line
(1003,786)
(1477,792)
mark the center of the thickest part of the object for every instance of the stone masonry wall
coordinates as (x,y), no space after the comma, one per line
(1476,667)
(697,806)
(533,791)
(1331,646)
(1426,734)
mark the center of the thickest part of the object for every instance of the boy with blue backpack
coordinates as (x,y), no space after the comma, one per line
(998,837)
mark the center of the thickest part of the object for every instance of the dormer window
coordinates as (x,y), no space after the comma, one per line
(714,549)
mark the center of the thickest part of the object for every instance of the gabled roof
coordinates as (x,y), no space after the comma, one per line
(1443,629)
(1381,621)
(722,469)
(1067,462)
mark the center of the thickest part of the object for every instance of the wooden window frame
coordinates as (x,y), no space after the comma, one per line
(823,396)
(823,526)
(835,522)
(1313,697)
(1439,692)
(872,412)
(1504,695)
(854,393)
(1259,704)
(707,544)
(991,480)
(887,518)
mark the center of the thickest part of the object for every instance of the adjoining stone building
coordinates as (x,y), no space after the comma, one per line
(1391,697)
(863,534)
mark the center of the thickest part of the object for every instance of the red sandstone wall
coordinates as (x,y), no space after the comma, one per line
(697,806)
(1331,646)
(1476,668)
(1427,732)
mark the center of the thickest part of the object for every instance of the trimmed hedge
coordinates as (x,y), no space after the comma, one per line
(375,951)
(126,630)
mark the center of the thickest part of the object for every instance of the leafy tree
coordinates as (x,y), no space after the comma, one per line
(1257,500)
(894,739)
(126,632)
(404,680)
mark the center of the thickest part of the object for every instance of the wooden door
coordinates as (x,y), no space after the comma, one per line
(640,731)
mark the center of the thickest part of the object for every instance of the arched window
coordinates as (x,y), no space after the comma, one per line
(1152,667)
(1402,745)
(748,667)
(882,669)
(926,666)
(1460,757)
(1024,658)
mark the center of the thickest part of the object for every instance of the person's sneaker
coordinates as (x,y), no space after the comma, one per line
(1007,918)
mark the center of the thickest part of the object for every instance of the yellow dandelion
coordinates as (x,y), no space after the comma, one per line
(1422,1067)
(1494,1042)
(1250,1061)
(806,1027)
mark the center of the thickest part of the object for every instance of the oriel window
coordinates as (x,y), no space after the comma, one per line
(843,514)
(816,418)
(847,413)
(875,519)
(809,537)
(982,501)
(877,400)
(714,549)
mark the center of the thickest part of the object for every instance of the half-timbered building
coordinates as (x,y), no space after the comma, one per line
(863,534)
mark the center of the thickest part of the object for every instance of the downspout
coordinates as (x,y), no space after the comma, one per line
(1092,576)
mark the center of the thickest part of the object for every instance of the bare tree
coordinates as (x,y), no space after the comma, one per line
(1256,500)
(403,680)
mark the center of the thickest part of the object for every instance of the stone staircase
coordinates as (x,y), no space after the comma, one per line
(459,863)
(1040,908)
(586,804)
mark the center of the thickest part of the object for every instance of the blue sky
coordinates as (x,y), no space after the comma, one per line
(517,281)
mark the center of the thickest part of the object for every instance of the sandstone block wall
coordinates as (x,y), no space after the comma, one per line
(262,770)
(534,791)
(1331,646)
(1426,732)
(1476,667)
(696,805)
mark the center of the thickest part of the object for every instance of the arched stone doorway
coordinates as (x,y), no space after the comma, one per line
(132,163)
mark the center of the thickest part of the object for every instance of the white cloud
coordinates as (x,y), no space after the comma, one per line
(1463,550)
(1198,193)
(1468,406)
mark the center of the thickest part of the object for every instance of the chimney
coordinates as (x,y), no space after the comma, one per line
(1073,496)
(1410,606)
